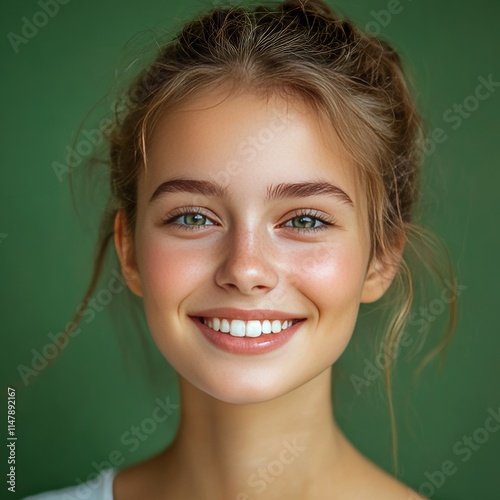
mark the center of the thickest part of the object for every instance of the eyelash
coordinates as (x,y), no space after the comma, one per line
(326,221)
(178,213)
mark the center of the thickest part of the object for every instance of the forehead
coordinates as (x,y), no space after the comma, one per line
(223,136)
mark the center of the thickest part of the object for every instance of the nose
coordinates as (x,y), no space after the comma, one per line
(247,263)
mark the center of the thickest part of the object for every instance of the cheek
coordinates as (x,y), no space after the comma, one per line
(169,271)
(333,274)
(332,280)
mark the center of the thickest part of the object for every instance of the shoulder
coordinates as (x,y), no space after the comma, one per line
(376,484)
(99,488)
(373,482)
(386,487)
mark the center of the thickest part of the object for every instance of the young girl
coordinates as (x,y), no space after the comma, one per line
(263,181)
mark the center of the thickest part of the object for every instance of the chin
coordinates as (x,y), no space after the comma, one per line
(241,389)
(244,395)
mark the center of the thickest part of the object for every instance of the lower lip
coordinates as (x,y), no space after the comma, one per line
(247,345)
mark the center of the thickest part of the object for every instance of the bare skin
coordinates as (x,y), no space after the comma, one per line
(253,426)
(236,452)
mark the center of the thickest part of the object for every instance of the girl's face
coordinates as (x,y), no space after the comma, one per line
(249,210)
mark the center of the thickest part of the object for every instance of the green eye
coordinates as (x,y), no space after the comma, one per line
(188,220)
(193,219)
(305,222)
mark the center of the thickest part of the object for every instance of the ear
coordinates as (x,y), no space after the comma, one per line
(381,273)
(124,244)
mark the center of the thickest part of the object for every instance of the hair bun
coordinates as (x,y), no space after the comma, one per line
(318,7)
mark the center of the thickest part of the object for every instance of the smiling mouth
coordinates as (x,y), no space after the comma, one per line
(252,328)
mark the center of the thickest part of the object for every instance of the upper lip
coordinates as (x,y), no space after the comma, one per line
(244,314)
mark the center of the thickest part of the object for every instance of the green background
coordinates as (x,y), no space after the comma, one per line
(77,410)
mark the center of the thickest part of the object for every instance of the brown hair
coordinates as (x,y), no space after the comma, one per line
(301,49)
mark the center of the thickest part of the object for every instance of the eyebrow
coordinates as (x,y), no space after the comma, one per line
(182,185)
(274,192)
(304,189)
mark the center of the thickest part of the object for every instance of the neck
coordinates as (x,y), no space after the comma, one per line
(284,448)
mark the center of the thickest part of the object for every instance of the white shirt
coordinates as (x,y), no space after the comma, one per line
(100,488)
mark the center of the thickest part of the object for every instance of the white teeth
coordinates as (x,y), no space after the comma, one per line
(266,326)
(237,328)
(252,328)
(224,326)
